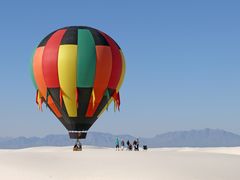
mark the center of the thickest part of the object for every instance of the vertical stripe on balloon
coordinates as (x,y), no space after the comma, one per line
(102,76)
(119,82)
(67,62)
(116,62)
(38,71)
(50,59)
(38,75)
(86,63)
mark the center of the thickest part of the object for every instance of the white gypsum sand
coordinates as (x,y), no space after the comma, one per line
(60,163)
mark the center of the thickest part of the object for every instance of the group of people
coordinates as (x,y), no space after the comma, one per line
(121,145)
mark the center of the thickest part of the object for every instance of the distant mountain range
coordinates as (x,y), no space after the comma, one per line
(192,138)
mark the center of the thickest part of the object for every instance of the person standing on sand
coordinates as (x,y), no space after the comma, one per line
(129,146)
(137,144)
(128,143)
(122,145)
(117,144)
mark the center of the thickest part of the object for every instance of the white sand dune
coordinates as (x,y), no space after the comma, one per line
(99,163)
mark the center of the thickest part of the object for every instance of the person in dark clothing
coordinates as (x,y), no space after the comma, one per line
(122,145)
(117,144)
(129,145)
(137,144)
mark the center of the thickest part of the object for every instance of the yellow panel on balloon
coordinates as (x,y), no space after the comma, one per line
(67,62)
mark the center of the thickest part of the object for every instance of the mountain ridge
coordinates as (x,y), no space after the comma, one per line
(191,138)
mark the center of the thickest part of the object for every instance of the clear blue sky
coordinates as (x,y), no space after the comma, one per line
(183,63)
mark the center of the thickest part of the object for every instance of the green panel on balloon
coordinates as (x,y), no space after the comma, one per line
(86,62)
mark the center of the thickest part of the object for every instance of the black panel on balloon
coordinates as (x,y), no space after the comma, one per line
(44,41)
(77,135)
(103,102)
(61,119)
(70,36)
(84,95)
(98,38)
(111,91)
(81,122)
(55,94)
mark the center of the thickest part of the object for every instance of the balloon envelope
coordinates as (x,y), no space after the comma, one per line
(78,71)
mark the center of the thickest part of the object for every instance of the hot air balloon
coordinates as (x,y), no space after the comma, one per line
(77,72)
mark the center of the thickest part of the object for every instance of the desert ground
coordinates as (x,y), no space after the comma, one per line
(94,163)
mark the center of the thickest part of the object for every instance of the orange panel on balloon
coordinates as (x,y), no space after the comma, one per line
(38,73)
(102,76)
(53,107)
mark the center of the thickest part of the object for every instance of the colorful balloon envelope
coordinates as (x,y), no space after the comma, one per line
(78,72)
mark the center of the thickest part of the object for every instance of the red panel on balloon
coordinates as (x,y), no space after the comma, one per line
(50,59)
(116,63)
